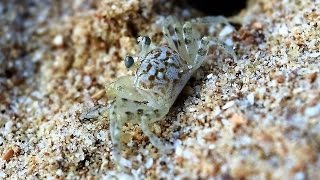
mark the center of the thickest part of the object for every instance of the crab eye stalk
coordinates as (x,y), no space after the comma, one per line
(128,61)
(146,40)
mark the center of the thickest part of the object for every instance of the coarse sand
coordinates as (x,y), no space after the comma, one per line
(257,117)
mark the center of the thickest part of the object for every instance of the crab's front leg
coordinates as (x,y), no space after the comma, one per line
(115,129)
(156,141)
(131,106)
(95,112)
(122,87)
(121,91)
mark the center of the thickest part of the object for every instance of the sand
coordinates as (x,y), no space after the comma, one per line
(257,117)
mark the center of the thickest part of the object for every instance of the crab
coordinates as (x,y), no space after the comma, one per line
(159,75)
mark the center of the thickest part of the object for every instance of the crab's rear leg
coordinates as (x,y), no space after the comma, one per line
(176,40)
(228,49)
(210,20)
(202,52)
(204,46)
(182,49)
(190,40)
(166,31)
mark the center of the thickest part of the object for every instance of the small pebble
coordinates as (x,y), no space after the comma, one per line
(250,98)
(58,40)
(9,154)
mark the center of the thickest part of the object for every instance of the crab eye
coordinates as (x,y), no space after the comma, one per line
(128,61)
(146,40)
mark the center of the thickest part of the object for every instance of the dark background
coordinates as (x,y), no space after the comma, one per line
(216,7)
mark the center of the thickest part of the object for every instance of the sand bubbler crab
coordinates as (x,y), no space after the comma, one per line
(160,73)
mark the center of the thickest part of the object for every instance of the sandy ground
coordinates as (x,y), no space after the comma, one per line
(256,117)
